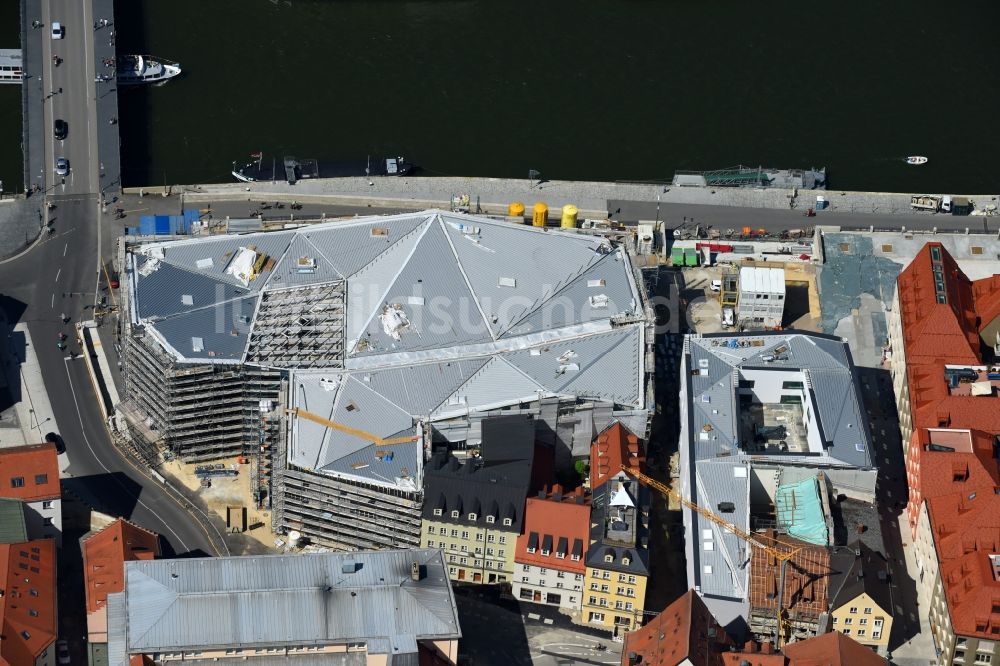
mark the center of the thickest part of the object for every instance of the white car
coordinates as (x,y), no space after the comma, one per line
(716,285)
(62,652)
(57,30)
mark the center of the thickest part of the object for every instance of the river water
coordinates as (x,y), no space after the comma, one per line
(585,89)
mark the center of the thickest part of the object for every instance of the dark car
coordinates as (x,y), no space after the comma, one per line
(61,129)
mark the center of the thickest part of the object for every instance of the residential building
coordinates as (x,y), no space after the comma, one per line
(861,598)
(474,509)
(13,524)
(376,607)
(762,297)
(943,330)
(28,607)
(613,450)
(105,552)
(31,474)
(763,415)
(332,355)
(684,633)
(550,555)
(617,557)
(687,634)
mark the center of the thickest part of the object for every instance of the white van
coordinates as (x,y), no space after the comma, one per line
(946,204)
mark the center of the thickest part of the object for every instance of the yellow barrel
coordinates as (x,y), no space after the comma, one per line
(539,214)
(516,209)
(569,217)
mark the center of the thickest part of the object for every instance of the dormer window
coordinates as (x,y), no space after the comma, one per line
(575,558)
(531,550)
(454,514)
(437,512)
(545,552)
(561,556)
(626,561)
(491,519)
(508,522)
(472,516)
(609,558)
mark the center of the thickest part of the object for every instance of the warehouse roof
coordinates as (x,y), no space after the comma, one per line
(300,600)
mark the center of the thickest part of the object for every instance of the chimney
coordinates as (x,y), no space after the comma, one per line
(416,573)
(634,659)
(579,498)
(542,494)
(861,528)
(766,647)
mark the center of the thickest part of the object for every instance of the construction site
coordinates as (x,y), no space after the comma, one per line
(331,360)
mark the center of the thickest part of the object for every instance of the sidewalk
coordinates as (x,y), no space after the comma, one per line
(30,417)
(918,650)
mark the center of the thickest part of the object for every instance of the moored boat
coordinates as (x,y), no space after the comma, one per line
(916,160)
(292,170)
(137,69)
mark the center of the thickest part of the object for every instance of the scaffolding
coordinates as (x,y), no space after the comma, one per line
(300,327)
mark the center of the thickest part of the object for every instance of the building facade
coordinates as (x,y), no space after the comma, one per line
(474,508)
(762,297)
(31,474)
(550,554)
(617,557)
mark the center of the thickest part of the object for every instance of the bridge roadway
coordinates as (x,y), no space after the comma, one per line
(60,273)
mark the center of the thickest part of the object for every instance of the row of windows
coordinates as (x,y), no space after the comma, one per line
(619,605)
(472,516)
(606,575)
(490,538)
(561,556)
(18,481)
(862,621)
(558,586)
(490,552)
(860,633)
(543,571)
(489,564)
(621,591)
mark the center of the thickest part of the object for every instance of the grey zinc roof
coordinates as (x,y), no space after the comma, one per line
(259,601)
(166,290)
(116,630)
(188,254)
(579,301)
(448,314)
(220,331)
(351,246)
(717,482)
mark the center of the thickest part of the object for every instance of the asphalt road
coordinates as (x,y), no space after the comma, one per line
(675,216)
(59,275)
(69,95)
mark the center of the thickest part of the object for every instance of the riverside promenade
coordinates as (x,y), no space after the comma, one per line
(593,199)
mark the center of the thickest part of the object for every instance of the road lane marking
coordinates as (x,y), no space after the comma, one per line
(52,303)
(65,249)
(83,431)
(58,273)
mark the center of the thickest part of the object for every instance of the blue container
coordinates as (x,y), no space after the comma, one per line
(162,225)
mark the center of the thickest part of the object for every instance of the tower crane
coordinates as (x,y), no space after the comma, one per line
(783,555)
(360,434)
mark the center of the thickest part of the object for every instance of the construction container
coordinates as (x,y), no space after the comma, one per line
(539,214)
(677,256)
(569,213)
(691,257)
(515,209)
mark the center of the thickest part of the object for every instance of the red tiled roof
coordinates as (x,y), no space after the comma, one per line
(549,521)
(29,586)
(987,294)
(30,472)
(832,649)
(680,633)
(105,554)
(614,448)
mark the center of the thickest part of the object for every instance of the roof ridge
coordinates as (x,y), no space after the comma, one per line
(465,276)
(542,300)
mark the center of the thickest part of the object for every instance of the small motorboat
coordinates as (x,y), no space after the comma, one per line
(916,160)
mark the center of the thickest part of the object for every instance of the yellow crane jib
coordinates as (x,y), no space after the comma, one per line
(360,434)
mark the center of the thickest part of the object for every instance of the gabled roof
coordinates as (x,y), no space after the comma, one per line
(684,633)
(493,485)
(832,649)
(29,473)
(561,520)
(105,553)
(29,621)
(856,574)
(262,601)
(612,450)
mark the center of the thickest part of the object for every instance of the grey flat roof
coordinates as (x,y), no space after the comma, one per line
(260,601)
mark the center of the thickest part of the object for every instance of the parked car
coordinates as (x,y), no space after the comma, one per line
(61,129)
(57,30)
(62,652)
(62,166)
(716,285)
